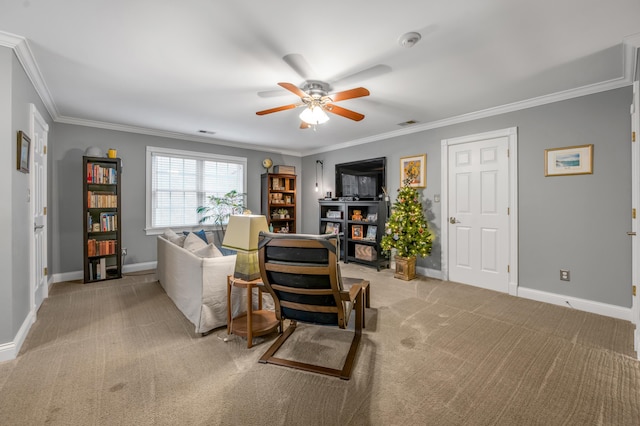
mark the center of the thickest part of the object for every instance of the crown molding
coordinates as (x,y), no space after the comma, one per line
(21,47)
(22,50)
(630,46)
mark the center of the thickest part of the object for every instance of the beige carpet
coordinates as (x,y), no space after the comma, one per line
(434,353)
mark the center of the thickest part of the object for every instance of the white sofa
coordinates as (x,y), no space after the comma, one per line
(198,285)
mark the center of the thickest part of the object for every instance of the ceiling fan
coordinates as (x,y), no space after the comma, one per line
(314,96)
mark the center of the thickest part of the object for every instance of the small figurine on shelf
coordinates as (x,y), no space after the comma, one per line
(357,215)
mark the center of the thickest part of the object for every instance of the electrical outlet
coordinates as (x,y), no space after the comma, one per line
(124,251)
(564,275)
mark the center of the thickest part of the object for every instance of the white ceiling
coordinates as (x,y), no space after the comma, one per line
(176,67)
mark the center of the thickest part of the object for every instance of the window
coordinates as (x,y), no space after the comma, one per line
(178,182)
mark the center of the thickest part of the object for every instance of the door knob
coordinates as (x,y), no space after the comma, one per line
(453,220)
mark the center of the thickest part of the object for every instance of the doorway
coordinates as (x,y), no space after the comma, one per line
(479,210)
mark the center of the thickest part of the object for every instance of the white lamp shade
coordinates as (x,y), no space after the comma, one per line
(314,115)
(242,232)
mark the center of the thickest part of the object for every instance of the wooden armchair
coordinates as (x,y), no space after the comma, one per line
(302,274)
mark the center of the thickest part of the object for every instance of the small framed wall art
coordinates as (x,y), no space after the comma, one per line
(415,169)
(356,232)
(571,160)
(24,143)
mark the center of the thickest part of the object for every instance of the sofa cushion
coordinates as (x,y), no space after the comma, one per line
(213,237)
(193,242)
(210,250)
(176,239)
(199,233)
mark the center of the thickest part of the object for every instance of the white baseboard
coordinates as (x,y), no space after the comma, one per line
(431,273)
(137,267)
(10,350)
(599,308)
(78,275)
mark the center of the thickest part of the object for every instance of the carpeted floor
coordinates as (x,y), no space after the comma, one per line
(433,353)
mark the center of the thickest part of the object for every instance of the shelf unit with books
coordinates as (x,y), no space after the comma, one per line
(279,201)
(101,219)
(360,225)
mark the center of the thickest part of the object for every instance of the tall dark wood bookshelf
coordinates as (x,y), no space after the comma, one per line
(102,229)
(279,201)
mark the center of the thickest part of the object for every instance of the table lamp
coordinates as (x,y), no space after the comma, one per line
(242,236)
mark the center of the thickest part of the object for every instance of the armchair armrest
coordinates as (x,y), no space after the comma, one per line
(352,294)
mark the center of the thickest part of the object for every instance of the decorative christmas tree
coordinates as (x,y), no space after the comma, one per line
(407,230)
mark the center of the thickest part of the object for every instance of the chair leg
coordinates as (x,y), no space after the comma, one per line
(345,372)
(279,341)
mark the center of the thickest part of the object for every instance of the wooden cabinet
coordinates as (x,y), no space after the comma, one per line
(101,212)
(279,201)
(361,225)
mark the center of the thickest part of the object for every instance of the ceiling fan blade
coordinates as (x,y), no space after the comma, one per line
(365,74)
(299,65)
(272,93)
(304,125)
(347,113)
(358,92)
(280,108)
(293,89)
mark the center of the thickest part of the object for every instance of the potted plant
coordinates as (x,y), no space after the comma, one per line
(283,213)
(219,208)
(406,231)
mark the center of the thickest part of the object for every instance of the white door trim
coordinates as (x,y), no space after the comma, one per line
(512,134)
(36,118)
(635,203)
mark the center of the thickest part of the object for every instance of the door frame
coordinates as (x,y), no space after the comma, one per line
(635,201)
(35,116)
(512,134)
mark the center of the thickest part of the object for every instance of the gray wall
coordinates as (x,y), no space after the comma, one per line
(16,93)
(66,162)
(7,173)
(573,222)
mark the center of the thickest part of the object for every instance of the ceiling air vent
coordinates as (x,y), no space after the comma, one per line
(407,123)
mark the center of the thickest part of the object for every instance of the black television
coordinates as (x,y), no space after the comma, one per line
(362,180)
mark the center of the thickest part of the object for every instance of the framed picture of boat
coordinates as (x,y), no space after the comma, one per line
(571,160)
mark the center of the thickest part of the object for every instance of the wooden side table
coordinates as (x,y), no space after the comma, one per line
(252,323)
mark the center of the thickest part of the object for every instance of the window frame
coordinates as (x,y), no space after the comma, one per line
(194,155)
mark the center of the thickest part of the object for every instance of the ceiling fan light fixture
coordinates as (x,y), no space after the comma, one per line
(314,115)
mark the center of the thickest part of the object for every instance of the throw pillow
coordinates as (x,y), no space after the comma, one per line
(209,251)
(169,234)
(176,239)
(200,234)
(193,242)
(213,237)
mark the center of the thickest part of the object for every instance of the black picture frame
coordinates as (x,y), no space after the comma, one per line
(23,152)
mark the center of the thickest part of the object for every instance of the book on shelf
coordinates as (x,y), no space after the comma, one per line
(101,199)
(332,228)
(372,232)
(108,222)
(100,247)
(101,175)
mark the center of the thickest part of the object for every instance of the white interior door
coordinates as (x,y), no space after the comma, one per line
(635,203)
(39,134)
(478,203)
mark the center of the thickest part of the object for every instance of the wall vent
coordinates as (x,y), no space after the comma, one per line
(407,123)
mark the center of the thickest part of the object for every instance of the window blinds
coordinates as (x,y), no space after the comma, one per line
(182,183)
